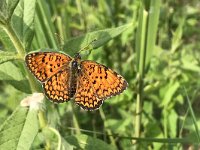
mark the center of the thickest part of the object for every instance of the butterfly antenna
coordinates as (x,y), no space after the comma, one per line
(60,41)
(89,46)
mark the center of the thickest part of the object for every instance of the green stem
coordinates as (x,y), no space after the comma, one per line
(20,49)
(15,40)
(138,115)
(42,120)
(75,121)
(107,130)
(141,55)
(43,124)
(58,135)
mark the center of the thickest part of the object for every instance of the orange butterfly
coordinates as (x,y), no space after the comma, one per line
(64,77)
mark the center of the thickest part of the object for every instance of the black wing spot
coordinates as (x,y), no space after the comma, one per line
(43,59)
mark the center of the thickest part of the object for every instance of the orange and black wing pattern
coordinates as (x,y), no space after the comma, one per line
(57,86)
(85,95)
(97,83)
(64,77)
(43,65)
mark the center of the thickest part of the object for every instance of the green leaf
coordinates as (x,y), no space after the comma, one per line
(6,9)
(86,142)
(6,41)
(177,35)
(140,41)
(65,145)
(9,71)
(101,37)
(118,126)
(6,56)
(44,27)
(172,121)
(153,18)
(22,85)
(19,130)
(22,21)
(12,74)
(57,141)
(194,120)
(172,88)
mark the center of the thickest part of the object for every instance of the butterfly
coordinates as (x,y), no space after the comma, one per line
(63,78)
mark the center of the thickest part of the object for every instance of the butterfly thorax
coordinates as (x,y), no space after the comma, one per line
(74,70)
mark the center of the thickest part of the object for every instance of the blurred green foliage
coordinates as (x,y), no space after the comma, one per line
(168,85)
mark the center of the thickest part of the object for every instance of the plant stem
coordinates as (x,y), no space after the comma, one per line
(20,49)
(107,130)
(41,119)
(138,113)
(15,40)
(75,121)
(141,56)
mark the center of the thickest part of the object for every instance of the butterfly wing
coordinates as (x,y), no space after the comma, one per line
(105,82)
(85,95)
(96,82)
(57,86)
(43,65)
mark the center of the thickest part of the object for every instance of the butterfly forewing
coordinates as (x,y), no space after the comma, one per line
(105,82)
(45,64)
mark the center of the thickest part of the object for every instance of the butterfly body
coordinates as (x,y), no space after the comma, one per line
(74,73)
(64,78)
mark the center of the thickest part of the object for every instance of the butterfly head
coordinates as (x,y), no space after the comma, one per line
(77,56)
(76,61)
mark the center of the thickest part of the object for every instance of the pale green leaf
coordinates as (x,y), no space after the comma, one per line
(19,130)
(23,19)
(172,88)
(10,71)
(7,56)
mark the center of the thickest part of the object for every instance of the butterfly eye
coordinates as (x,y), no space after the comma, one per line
(74,64)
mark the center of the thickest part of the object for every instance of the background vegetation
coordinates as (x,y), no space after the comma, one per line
(153,44)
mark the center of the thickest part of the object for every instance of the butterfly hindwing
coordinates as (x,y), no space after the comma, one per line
(85,95)
(57,86)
